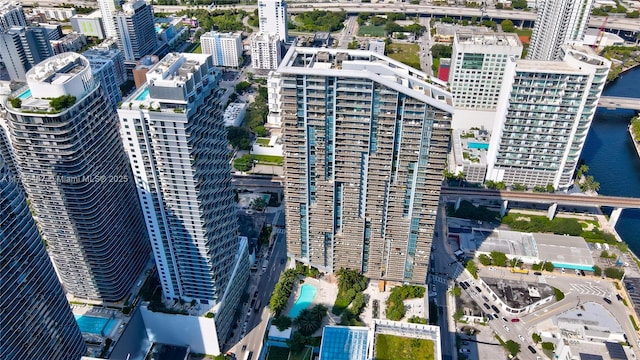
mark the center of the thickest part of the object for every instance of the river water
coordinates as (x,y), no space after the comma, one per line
(612,158)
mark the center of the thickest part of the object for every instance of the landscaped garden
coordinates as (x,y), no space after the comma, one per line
(389,347)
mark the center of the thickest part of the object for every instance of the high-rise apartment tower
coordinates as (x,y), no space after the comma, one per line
(76,173)
(174,132)
(478,61)
(543,118)
(365,141)
(272,15)
(136,31)
(23,47)
(558,22)
(36,321)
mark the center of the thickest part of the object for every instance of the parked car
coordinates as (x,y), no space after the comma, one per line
(533,351)
(495,308)
(505,319)
(521,337)
(486,306)
(537,273)
(478,289)
(506,328)
(606,300)
(515,320)
(464,350)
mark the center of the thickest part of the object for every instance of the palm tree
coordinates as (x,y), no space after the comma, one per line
(307,322)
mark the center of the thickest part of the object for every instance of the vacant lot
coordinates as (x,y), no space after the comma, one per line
(407,54)
(389,347)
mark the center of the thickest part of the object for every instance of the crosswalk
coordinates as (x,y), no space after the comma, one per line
(439,279)
(588,289)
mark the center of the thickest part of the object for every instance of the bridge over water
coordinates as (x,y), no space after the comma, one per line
(613,102)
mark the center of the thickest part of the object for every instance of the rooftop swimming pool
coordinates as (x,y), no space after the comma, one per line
(25,95)
(143,95)
(307,293)
(476,145)
(95,325)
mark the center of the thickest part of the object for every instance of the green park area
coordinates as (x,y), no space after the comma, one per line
(407,54)
(372,30)
(389,347)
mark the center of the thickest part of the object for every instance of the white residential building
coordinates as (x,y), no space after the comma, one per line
(108,10)
(558,22)
(98,56)
(225,48)
(107,66)
(272,15)
(265,51)
(72,42)
(234,114)
(478,61)
(55,13)
(174,133)
(543,117)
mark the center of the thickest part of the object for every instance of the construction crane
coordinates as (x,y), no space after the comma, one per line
(600,34)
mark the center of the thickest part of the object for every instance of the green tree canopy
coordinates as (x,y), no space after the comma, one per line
(507,26)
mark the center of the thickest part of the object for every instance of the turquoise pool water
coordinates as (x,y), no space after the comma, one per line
(475,145)
(307,293)
(95,325)
(25,95)
(143,95)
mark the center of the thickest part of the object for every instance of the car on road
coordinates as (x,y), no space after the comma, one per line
(506,328)
(282,261)
(537,273)
(505,319)
(496,316)
(489,317)
(244,347)
(607,300)
(533,351)
(464,285)
(618,297)
(478,289)
(464,350)
(515,320)
(495,309)
(521,337)
(486,306)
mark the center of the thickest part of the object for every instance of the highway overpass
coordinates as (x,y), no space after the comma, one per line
(614,23)
(555,199)
(612,103)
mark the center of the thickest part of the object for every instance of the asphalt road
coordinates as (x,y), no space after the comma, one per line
(425,45)
(263,282)
(257,182)
(441,273)
(348,33)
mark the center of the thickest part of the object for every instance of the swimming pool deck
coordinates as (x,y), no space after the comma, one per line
(326,293)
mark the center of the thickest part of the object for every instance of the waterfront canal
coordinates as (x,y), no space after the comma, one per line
(612,158)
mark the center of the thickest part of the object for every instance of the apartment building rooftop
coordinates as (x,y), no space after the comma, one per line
(175,69)
(368,64)
(485,38)
(546,66)
(58,69)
